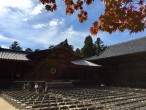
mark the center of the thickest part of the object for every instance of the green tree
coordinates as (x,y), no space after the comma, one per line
(37,50)
(50,46)
(78,51)
(99,46)
(15,46)
(88,48)
(71,46)
(28,50)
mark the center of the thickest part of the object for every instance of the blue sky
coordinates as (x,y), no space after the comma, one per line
(32,26)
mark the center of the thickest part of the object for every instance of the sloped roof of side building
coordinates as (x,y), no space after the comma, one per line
(125,48)
(8,54)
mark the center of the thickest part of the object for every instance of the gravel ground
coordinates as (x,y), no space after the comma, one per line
(5,105)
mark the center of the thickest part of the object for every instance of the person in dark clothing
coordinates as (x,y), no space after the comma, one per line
(46,87)
(28,86)
(40,89)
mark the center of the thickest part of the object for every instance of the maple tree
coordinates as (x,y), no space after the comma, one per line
(118,15)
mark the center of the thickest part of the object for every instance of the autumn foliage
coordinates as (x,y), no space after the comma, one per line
(118,15)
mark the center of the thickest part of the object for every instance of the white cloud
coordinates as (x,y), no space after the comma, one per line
(56,22)
(37,9)
(25,19)
(75,38)
(17,7)
(38,26)
(4,46)
(70,32)
(16,3)
(44,34)
(22,5)
(27,8)
(52,23)
(53,35)
(3,11)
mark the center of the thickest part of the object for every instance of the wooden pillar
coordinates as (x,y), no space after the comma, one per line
(79,75)
(86,74)
(94,75)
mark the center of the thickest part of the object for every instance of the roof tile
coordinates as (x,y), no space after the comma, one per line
(13,55)
(129,47)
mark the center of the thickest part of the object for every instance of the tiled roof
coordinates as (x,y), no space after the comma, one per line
(84,63)
(8,54)
(125,48)
(61,44)
(43,53)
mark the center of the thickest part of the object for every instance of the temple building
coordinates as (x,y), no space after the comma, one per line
(59,62)
(122,64)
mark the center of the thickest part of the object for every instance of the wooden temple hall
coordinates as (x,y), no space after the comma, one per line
(121,64)
(59,63)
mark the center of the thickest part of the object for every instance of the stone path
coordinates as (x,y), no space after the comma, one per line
(5,105)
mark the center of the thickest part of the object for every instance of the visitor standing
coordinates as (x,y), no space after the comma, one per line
(28,86)
(40,88)
(46,87)
(24,86)
(36,87)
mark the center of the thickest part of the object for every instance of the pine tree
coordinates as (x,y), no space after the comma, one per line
(15,46)
(51,46)
(99,46)
(78,51)
(28,50)
(88,49)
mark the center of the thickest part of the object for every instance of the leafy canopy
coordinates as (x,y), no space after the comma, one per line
(118,15)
